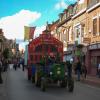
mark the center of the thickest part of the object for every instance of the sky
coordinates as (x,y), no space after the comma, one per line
(15,14)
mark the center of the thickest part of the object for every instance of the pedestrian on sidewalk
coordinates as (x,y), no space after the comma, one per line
(78,69)
(99,70)
(23,64)
(1,81)
(69,69)
(84,70)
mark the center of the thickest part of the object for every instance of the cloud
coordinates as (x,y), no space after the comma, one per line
(39,30)
(13,26)
(60,5)
(81,2)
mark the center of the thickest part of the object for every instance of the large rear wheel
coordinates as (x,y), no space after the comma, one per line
(63,83)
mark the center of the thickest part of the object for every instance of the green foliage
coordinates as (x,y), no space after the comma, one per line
(6,53)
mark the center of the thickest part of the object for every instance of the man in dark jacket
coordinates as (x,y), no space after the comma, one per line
(78,69)
(69,68)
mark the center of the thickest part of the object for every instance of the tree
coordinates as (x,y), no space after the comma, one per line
(6,53)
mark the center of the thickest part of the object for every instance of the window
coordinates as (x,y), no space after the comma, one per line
(75,9)
(46,47)
(88,2)
(36,57)
(93,61)
(77,31)
(95,26)
(83,29)
(53,49)
(38,48)
(31,57)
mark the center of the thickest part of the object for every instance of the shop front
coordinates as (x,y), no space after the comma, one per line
(93,58)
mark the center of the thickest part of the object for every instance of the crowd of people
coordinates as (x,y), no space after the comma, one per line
(4,63)
(3,68)
(78,67)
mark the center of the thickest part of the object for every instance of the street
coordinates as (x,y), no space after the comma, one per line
(19,88)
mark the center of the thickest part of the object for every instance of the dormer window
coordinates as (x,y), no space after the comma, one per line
(60,16)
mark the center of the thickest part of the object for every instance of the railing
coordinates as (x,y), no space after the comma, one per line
(92,3)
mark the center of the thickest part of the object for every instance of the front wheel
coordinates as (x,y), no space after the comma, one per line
(43,84)
(70,85)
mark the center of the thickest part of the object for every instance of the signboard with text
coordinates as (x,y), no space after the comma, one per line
(94,46)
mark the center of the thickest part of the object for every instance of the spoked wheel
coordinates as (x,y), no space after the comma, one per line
(63,84)
(43,84)
(70,85)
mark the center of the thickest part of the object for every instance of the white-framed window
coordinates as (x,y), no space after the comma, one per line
(77,31)
(94,26)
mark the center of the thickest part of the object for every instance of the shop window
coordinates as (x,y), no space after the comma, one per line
(94,61)
(46,48)
(38,48)
(95,26)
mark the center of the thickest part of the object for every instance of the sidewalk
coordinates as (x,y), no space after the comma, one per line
(3,87)
(90,80)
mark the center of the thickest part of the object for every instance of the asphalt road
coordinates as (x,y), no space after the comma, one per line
(19,88)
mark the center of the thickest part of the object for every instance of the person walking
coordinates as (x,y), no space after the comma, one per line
(15,64)
(84,70)
(99,70)
(23,64)
(1,81)
(69,69)
(78,69)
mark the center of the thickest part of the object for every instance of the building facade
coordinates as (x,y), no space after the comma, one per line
(78,27)
(93,31)
(79,30)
